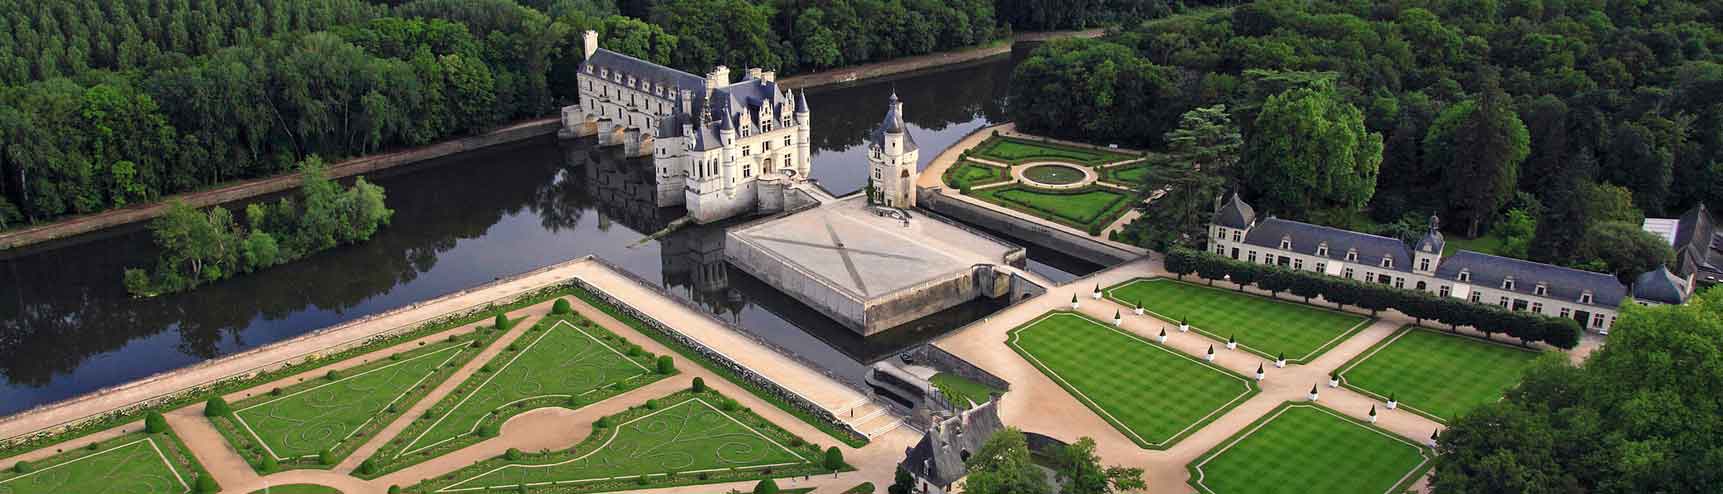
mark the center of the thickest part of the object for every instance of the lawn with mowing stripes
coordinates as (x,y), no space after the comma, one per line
(319,417)
(1263,326)
(1154,395)
(961,390)
(1300,447)
(563,361)
(1437,374)
(1019,151)
(685,438)
(136,463)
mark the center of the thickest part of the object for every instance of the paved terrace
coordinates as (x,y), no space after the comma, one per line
(1035,403)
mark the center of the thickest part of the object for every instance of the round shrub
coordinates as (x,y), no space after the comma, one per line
(501,321)
(332,375)
(666,365)
(834,458)
(699,385)
(216,407)
(766,486)
(23,467)
(633,350)
(490,430)
(728,405)
(206,485)
(155,423)
(651,404)
(601,423)
(561,307)
(326,457)
(274,391)
(269,463)
(512,454)
(94,447)
(394,489)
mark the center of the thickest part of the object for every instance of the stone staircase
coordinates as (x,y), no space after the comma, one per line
(869,418)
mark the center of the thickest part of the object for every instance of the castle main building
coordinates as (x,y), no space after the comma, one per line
(719,149)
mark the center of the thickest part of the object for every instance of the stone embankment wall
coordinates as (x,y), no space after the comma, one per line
(936,357)
(251,188)
(1081,247)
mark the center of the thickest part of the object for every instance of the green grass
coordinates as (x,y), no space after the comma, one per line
(136,463)
(1489,244)
(564,361)
(1082,208)
(1053,174)
(323,414)
(1300,447)
(1131,175)
(1262,325)
(961,391)
(1436,374)
(298,489)
(969,173)
(1018,151)
(684,438)
(1154,395)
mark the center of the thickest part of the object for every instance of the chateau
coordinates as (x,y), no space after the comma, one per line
(1592,299)
(718,148)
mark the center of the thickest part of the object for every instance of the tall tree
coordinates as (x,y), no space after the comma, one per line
(1205,145)
(1478,147)
(1309,151)
(1002,466)
(1080,471)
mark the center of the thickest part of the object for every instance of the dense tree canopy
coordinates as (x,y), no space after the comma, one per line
(1643,414)
(1310,152)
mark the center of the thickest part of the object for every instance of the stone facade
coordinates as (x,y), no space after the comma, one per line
(1592,299)
(712,142)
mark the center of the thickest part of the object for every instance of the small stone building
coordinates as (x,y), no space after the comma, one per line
(937,462)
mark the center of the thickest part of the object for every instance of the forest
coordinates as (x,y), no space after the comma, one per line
(1545,129)
(105,104)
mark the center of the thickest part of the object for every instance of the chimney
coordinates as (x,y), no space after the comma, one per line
(717,78)
(769,76)
(687,101)
(589,41)
(754,73)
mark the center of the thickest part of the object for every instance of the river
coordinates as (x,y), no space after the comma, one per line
(69,328)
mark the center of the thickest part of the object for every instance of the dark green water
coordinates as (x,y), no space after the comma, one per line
(67,326)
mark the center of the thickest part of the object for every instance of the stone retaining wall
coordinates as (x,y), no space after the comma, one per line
(1081,247)
(936,357)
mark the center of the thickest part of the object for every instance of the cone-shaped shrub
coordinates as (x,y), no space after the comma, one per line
(699,385)
(501,321)
(766,486)
(206,485)
(155,423)
(834,458)
(216,407)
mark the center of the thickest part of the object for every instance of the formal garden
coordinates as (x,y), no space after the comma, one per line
(562,361)
(1090,208)
(318,422)
(1154,395)
(1303,447)
(966,174)
(1435,374)
(696,436)
(1261,325)
(963,392)
(152,461)
(1017,151)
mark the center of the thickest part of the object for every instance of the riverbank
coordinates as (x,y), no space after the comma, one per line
(519,131)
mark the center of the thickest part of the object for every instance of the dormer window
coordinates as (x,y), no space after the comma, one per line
(1423,264)
(1388,262)
(1322,250)
(1508,284)
(1465,275)
(1285,243)
(1541,290)
(1585,298)
(1352,255)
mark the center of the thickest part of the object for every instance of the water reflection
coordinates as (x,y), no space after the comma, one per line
(67,326)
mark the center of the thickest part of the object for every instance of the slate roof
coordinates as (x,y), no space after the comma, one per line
(644,71)
(1432,241)
(1564,283)
(1660,286)
(938,458)
(1235,214)
(1307,238)
(1696,239)
(893,123)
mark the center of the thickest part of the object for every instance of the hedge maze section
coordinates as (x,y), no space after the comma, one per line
(1436,374)
(1154,395)
(563,361)
(1020,151)
(685,438)
(136,463)
(1262,325)
(1301,447)
(307,422)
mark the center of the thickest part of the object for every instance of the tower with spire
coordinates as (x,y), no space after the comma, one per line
(892,157)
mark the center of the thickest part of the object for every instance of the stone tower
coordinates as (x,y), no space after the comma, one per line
(892,156)
(804,136)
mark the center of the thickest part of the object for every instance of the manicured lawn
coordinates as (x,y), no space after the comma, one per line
(1018,151)
(1301,447)
(563,362)
(1081,208)
(699,437)
(298,489)
(1439,374)
(1133,174)
(1262,325)
(961,391)
(972,174)
(1053,174)
(304,422)
(1152,394)
(1489,244)
(136,463)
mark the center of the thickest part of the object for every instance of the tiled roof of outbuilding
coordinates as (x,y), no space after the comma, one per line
(1307,238)
(1563,283)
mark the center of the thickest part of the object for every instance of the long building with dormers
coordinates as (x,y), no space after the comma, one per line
(719,148)
(1592,299)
